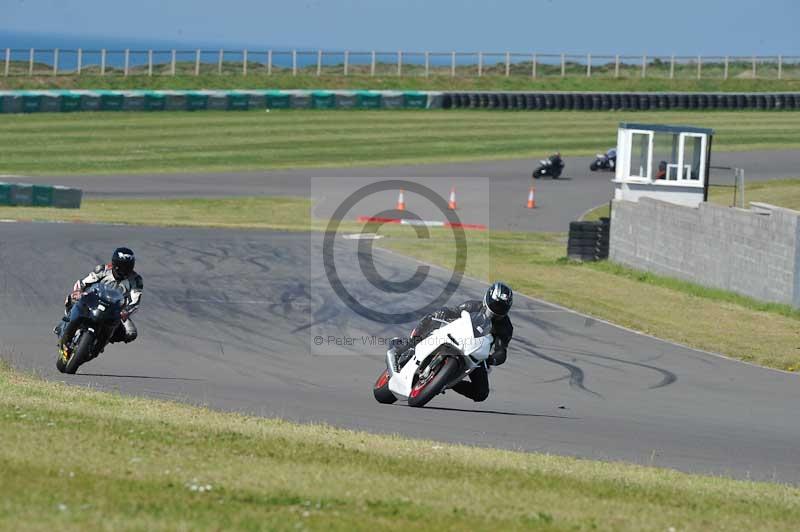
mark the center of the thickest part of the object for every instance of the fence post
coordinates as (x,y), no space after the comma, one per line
(127,61)
(346,62)
(616,66)
(563,65)
(294,62)
(319,62)
(672,67)
(480,64)
(55,62)
(219,60)
(269,62)
(740,186)
(149,62)
(197,62)
(588,65)
(533,65)
(244,62)
(372,63)
(8,62)
(644,65)
(754,67)
(399,63)
(80,61)
(103,62)
(780,67)
(427,63)
(453,65)
(508,63)
(725,69)
(172,61)
(30,62)
(699,66)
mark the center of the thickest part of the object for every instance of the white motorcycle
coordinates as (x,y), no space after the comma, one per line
(440,361)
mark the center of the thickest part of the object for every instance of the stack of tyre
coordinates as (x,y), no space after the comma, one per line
(588,241)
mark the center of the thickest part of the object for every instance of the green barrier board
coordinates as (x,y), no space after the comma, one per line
(31,103)
(111,101)
(368,100)
(196,102)
(238,102)
(42,196)
(154,101)
(70,102)
(323,100)
(1,103)
(5,194)
(278,101)
(21,194)
(415,100)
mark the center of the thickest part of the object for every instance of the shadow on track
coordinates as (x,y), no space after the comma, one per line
(138,377)
(497,412)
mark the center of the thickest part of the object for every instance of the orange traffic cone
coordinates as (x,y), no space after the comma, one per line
(401,202)
(451,204)
(532,198)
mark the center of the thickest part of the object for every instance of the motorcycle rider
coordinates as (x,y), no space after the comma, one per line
(119,274)
(611,154)
(496,304)
(556,161)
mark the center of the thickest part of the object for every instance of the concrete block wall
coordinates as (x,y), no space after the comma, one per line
(722,247)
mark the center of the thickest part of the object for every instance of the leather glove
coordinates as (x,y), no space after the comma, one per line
(123,315)
(75,295)
(439,315)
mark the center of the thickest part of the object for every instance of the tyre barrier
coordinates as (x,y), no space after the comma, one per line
(588,241)
(612,101)
(144,100)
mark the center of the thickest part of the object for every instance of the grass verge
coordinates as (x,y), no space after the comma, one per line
(140,142)
(577,81)
(534,264)
(76,459)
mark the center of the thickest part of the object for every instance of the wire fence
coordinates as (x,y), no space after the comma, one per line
(132,62)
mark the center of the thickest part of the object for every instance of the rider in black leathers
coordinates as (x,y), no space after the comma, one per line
(496,303)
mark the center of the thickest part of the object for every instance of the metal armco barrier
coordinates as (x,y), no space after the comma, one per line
(25,195)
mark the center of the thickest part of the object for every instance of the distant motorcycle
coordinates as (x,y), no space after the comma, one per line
(605,161)
(93,319)
(440,361)
(547,168)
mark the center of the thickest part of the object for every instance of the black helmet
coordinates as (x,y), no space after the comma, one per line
(498,299)
(122,263)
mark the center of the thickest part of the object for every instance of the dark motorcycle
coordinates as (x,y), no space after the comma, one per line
(547,168)
(92,321)
(604,161)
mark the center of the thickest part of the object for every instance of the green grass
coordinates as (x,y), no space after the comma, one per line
(780,192)
(576,81)
(534,264)
(77,459)
(100,143)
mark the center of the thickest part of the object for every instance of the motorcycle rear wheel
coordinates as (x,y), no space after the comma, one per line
(381,389)
(81,353)
(422,393)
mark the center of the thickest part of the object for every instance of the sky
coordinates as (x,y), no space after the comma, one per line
(680,27)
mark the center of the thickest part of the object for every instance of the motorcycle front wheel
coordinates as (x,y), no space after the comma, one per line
(381,389)
(81,353)
(593,167)
(425,390)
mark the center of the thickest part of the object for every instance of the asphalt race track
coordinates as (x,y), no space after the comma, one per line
(227,320)
(558,202)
